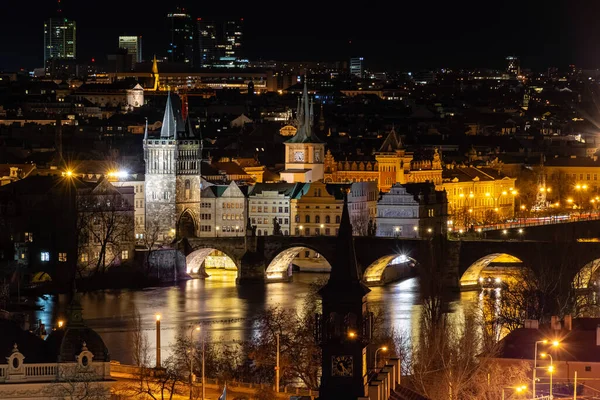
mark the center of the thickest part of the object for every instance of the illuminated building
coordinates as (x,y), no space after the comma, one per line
(181,45)
(220,42)
(478,195)
(207,42)
(391,164)
(513,66)
(412,210)
(272,200)
(304,152)
(173,183)
(133,45)
(356,67)
(223,211)
(60,39)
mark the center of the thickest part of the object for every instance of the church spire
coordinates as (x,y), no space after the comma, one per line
(345,278)
(169,125)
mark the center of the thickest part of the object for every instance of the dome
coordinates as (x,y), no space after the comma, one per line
(68,342)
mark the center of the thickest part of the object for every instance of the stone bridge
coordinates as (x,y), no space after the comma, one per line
(269,258)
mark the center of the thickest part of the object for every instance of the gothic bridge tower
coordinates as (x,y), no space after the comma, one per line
(345,327)
(172,183)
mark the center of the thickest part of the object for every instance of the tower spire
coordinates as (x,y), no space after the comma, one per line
(169,125)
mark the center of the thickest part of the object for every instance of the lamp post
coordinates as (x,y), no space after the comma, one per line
(301,229)
(384,348)
(157,340)
(237,230)
(277,366)
(217,230)
(555,344)
(322,226)
(550,370)
(192,360)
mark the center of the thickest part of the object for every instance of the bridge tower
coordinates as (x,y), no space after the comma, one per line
(344,330)
(173,182)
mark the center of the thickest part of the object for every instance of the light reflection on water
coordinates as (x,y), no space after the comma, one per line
(228,308)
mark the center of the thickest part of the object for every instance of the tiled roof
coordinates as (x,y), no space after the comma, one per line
(467,174)
(572,162)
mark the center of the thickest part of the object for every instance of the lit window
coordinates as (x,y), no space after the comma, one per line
(45,256)
(28,237)
(84,257)
(62,257)
(125,255)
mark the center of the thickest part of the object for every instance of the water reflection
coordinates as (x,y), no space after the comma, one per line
(226,309)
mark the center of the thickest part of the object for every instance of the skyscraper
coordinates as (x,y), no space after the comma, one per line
(133,45)
(220,42)
(207,42)
(181,45)
(356,66)
(59,39)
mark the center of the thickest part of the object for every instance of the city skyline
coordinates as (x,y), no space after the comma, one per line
(455,36)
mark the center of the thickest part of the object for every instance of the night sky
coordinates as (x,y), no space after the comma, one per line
(424,34)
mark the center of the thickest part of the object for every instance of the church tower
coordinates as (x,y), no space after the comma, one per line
(172,182)
(345,328)
(304,153)
(391,162)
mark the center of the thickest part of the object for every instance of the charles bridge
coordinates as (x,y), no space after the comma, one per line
(459,263)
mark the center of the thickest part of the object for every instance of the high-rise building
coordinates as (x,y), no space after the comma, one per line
(59,39)
(207,42)
(220,42)
(356,66)
(133,45)
(513,65)
(181,45)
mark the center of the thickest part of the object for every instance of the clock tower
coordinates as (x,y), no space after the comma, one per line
(304,153)
(344,329)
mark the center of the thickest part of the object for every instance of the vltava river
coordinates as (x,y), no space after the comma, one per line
(226,309)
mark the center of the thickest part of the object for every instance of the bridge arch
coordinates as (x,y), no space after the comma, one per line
(375,273)
(196,261)
(280,267)
(587,276)
(470,278)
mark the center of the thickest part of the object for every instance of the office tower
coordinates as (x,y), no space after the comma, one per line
(356,66)
(207,42)
(59,39)
(181,45)
(232,39)
(220,42)
(133,45)
(514,65)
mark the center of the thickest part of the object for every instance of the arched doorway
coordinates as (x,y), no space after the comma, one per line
(491,270)
(304,258)
(186,226)
(390,268)
(211,263)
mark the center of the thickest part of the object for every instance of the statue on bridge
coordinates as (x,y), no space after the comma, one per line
(276,227)
(250,229)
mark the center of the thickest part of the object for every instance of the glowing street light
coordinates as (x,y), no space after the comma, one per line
(384,348)
(550,368)
(352,334)
(518,389)
(60,323)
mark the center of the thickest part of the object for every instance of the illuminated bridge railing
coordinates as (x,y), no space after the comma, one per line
(550,220)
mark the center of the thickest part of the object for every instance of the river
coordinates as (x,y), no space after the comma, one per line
(226,309)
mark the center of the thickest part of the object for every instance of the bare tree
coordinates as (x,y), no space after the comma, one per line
(75,382)
(106,226)
(150,240)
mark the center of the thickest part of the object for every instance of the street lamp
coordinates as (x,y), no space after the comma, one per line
(192,360)
(237,230)
(550,370)
(157,340)
(545,341)
(217,229)
(384,348)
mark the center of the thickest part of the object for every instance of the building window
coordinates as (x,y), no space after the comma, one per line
(307,254)
(286,210)
(588,368)
(297,218)
(28,236)
(430,212)
(259,233)
(286,221)
(280,209)
(327,219)
(327,231)
(307,219)
(125,255)
(62,257)
(337,220)
(96,255)
(318,219)
(317,231)
(45,256)
(84,257)
(307,230)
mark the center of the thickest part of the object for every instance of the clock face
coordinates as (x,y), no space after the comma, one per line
(298,156)
(341,365)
